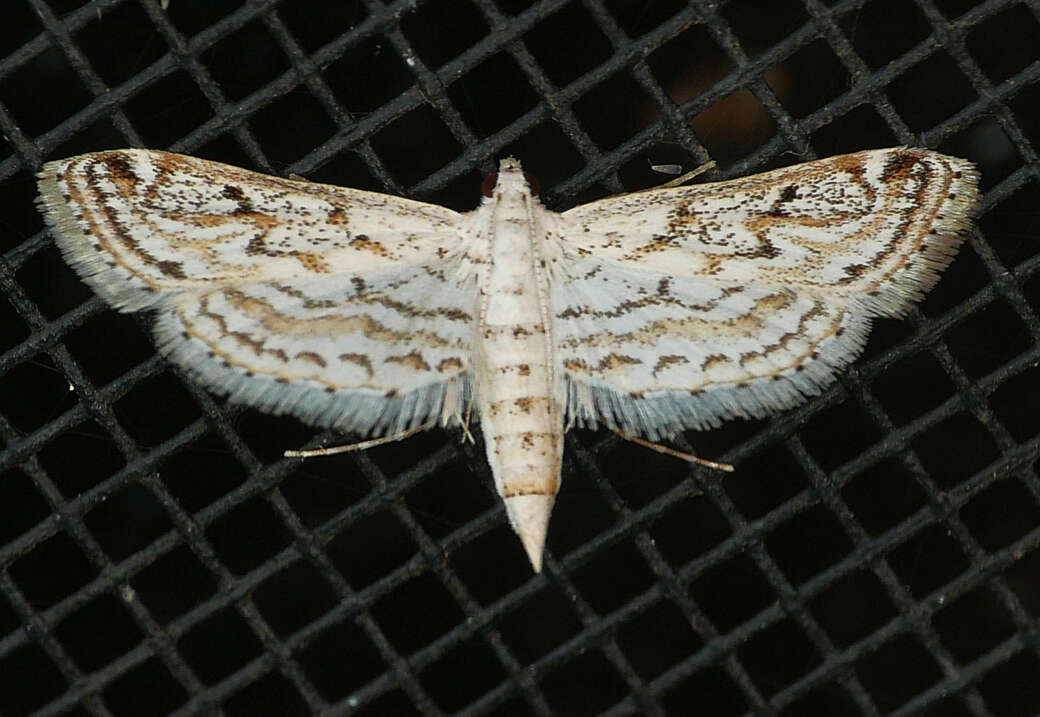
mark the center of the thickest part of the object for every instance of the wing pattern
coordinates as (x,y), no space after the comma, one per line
(345,308)
(672,308)
(683,307)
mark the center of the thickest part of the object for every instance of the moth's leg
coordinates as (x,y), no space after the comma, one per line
(672,169)
(688,457)
(679,181)
(466,435)
(362,446)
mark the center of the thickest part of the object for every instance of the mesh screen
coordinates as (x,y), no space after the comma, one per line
(876,550)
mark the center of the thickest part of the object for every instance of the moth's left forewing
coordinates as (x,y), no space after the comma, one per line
(136,223)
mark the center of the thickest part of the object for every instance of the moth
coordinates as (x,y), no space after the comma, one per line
(648,313)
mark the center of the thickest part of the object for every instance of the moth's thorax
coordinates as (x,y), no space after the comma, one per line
(511,182)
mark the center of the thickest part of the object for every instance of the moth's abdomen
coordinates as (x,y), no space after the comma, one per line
(522,427)
(520,415)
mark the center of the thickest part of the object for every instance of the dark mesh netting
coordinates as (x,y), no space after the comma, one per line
(875,552)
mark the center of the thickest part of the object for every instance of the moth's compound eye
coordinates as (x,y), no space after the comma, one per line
(489,184)
(532,183)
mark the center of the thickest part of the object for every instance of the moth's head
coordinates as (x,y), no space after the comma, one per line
(510,179)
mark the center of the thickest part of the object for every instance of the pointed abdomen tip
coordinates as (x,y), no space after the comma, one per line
(529,516)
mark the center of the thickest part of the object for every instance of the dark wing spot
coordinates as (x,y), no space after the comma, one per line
(233,193)
(172,268)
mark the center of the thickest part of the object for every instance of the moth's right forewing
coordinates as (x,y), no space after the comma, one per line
(875,226)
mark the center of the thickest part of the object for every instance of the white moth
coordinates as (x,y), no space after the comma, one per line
(648,313)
